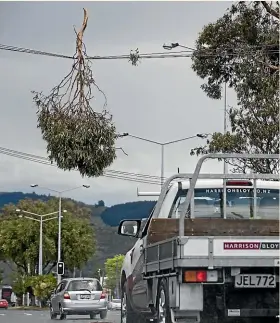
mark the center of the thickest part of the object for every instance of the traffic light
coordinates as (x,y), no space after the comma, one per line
(60,268)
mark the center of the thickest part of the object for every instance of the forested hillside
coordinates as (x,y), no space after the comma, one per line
(131,210)
(104,219)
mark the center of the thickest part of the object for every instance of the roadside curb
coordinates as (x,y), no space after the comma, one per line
(28,309)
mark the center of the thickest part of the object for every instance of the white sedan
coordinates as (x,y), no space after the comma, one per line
(115,304)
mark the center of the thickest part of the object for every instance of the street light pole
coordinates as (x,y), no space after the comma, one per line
(163,144)
(59,217)
(59,234)
(225,170)
(41,216)
(162,166)
(41,247)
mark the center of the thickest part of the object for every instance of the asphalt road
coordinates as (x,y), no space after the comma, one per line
(20,316)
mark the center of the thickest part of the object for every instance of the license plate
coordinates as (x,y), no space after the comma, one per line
(255,281)
(84,296)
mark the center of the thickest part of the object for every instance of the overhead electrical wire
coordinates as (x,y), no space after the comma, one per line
(133,177)
(31,51)
(47,160)
(173,54)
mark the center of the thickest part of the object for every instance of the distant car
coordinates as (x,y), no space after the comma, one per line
(4,304)
(78,296)
(115,304)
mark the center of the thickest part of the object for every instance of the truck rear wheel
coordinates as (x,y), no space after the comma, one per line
(162,304)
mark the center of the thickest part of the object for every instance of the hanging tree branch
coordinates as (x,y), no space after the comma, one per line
(271,10)
(77,136)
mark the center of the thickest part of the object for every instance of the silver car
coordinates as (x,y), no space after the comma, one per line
(78,296)
(115,304)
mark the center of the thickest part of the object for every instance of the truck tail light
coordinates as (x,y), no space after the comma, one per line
(66,296)
(238,183)
(103,295)
(200,276)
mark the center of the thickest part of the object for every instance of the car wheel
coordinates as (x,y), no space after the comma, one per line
(103,315)
(92,316)
(62,315)
(163,308)
(52,314)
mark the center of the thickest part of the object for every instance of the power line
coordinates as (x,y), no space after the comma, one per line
(45,159)
(177,54)
(133,177)
(116,176)
(31,51)
(44,53)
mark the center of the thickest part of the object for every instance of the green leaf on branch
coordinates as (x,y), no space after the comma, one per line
(43,286)
(241,49)
(113,270)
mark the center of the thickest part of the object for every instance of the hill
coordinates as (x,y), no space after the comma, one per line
(130,210)
(104,219)
(111,216)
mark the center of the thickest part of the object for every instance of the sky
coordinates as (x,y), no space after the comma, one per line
(160,99)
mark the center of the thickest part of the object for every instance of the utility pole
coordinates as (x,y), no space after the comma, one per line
(117,285)
(59,235)
(225,163)
(41,247)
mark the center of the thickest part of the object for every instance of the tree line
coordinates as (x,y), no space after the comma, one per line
(19,239)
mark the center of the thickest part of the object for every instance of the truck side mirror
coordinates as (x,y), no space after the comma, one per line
(129,228)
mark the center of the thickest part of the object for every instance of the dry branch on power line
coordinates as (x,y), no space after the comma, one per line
(77,136)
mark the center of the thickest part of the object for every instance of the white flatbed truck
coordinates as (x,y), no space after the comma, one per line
(210,262)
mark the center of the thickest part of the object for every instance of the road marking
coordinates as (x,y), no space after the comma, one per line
(27,313)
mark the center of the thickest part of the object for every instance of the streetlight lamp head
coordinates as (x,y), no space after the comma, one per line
(34,185)
(171,46)
(125,134)
(167,47)
(202,135)
(86,186)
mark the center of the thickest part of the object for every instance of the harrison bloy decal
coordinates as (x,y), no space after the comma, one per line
(251,245)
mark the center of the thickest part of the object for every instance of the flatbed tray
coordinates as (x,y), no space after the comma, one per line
(162,229)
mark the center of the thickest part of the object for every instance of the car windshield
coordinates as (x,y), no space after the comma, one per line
(86,284)
(208,202)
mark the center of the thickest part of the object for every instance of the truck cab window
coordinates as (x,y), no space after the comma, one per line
(208,203)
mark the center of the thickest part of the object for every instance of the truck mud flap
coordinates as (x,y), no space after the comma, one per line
(246,312)
(229,303)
